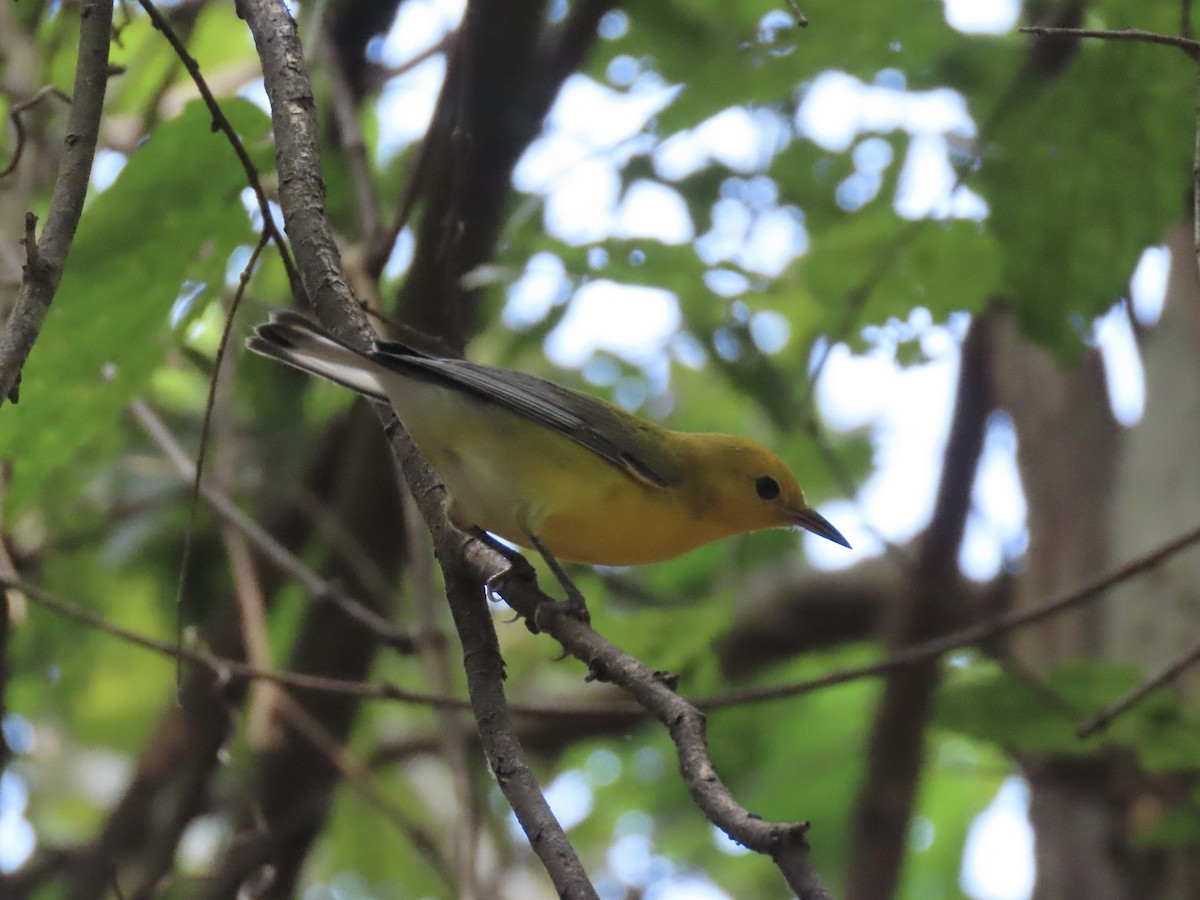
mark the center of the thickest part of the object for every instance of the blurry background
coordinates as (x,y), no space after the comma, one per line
(945,269)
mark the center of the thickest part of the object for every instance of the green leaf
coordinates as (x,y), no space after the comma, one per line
(989,704)
(943,266)
(716,51)
(1083,177)
(176,200)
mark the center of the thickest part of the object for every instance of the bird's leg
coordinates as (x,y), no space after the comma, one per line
(518,565)
(575,605)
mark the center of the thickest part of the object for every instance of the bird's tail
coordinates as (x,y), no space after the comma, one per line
(291,338)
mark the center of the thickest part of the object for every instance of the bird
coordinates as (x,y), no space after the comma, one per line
(552,469)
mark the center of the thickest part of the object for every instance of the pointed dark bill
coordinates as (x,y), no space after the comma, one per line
(811,520)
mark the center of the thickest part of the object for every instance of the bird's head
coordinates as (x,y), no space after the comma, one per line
(748,488)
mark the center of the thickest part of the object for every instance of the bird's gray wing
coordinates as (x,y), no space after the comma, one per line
(624,441)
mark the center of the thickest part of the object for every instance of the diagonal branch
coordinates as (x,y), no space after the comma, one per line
(221,122)
(271,548)
(45,268)
(466,563)
(1186,44)
(785,842)
(979,633)
(302,196)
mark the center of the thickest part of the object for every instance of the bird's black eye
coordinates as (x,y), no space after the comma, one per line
(767,487)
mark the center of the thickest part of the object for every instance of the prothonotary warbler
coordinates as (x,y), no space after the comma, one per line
(554,469)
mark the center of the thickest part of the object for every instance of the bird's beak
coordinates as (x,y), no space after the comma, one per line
(811,520)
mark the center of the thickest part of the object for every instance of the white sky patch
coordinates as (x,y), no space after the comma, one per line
(726,282)
(570,798)
(998,857)
(580,209)
(406,103)
(728,845)
(1123,370)
(419,24)
(200,843)
(907,410)
(542,286)
(402,254)
(589,122)
(838,107)
(633,322)
(776,238)
(256,92)
(598,116)
(982,16)
(995,530)
(770,331)
(1148,286)
(688,888)
(630,857)
(653,210)
(731,221)
(742,139)
(17,837)
(926,185)
(106,167)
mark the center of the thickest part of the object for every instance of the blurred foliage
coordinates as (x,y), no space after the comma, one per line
(1078,174)
(73,390)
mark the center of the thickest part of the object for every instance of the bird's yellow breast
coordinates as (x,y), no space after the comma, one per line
(513,477)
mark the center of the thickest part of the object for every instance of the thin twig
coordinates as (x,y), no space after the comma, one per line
(450,727)
(784,842)
(252,615)
(350,136)
(1168,673)
(14,115)
(362,780)
(1186,44)
(284,559)
(223,124)
(40,283)
(229,670)
(975,634)
(380,251)
(201,453)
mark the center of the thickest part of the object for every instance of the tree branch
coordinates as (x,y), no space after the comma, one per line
(1187,45)
(1152,682)
(287,562)
(220,121)
(784,842)
(895,752)
(44,272)
(302,195)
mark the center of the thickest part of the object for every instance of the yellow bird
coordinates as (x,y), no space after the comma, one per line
(554,469)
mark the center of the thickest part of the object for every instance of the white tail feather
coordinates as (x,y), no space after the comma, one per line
(292,339)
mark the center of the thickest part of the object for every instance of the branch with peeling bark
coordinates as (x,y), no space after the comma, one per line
(467,564)
(302,196)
